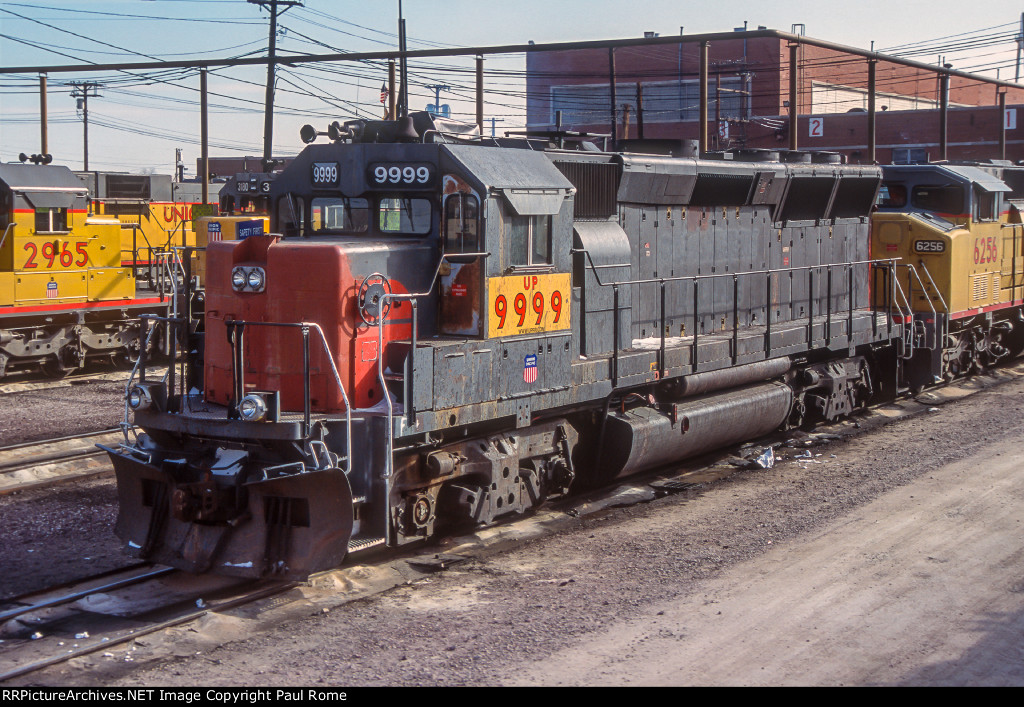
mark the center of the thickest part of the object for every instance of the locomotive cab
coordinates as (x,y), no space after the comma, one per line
(961,265)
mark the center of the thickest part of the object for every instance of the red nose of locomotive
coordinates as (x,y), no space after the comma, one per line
(269,280)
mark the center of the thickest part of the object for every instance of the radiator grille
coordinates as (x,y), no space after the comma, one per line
(597,187)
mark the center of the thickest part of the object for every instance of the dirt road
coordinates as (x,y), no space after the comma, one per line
(923,586)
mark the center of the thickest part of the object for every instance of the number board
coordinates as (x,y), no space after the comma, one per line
(929,247)
(325,174)
(391,175)
(527,304)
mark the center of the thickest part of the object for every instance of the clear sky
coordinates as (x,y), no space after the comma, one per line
(138,119)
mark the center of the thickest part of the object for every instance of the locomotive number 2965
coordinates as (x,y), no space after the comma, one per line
(56,254)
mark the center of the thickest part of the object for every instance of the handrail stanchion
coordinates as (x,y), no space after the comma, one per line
(305,381)
(693,353)
(828,305)
(615,336)
(810,308)
(735,318)
(849,306)
(661,349)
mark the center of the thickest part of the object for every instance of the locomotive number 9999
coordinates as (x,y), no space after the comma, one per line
(389,174)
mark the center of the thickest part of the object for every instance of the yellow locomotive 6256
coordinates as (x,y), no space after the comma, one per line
(960,237)
(65,297)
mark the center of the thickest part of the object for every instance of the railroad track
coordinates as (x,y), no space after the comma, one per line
(21,383)
(54,461)
(45,628)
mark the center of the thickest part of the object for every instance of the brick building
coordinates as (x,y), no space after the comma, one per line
(749,92)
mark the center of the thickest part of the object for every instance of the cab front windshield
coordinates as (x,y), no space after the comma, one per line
(404,215)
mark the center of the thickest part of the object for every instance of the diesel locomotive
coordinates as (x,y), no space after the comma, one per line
(447,329)
(66,294)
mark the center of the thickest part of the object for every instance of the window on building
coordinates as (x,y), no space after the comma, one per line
(51,220)
(529,239)
(909,155)
(663,101)
(462,223)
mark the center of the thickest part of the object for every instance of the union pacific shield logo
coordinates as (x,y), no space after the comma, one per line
(530,369)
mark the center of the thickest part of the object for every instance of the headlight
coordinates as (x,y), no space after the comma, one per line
(252,408)
(248,279)
(255,279)
(139,398)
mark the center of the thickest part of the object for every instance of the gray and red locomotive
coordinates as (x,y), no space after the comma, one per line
(447,329)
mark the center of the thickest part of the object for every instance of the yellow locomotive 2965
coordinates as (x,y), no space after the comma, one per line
(960,244)
(65,297)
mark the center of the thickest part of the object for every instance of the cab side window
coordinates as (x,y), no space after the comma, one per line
(984,205)
(461,223)
(51,220)
(529,239)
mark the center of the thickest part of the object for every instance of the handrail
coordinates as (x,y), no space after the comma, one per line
(6,231)
(696,279)
(238,373)
(935,317)
(905,317)
(140,370)
(412,298)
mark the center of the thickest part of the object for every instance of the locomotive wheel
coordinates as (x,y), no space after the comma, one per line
(62,363)
(52,368)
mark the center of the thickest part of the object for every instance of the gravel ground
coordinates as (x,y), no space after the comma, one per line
(496,620)
(60,533)
(71,407)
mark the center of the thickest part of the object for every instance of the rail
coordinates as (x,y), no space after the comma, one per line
(885,265)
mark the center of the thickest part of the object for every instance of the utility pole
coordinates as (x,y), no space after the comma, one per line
(80,90)
(1020,44)
(437,96)
(403,91)
(268,110)
(43,139)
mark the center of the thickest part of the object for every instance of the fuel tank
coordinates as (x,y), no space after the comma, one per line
(646,437)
